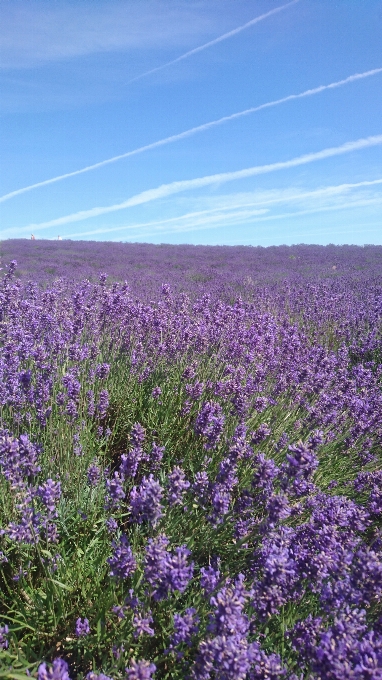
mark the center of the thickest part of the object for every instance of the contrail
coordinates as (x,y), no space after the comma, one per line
(194,130)
(199,182)
(225,36)
(328,191)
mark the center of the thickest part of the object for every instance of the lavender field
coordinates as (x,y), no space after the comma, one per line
(190,462)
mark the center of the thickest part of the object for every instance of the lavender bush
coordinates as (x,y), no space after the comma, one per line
(190,471)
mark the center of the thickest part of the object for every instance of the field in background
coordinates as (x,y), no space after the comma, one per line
(190,461)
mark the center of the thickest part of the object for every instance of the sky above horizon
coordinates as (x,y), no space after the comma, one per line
(177,121)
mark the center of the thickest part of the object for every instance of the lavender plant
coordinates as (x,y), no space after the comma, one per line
(190,475)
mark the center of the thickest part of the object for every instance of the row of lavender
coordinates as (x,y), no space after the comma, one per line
(191,486)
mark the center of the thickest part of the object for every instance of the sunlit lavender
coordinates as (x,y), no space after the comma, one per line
(190,462)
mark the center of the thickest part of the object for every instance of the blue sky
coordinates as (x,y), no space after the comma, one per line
(84,81)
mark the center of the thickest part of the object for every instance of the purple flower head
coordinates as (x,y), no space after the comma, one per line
(209,423)
(344,650)
(315,440)
(97,676)
(164,571)
(177,486)
(90,403)
(146,501)
(25,378)
(58,671)
(93,474)
(226,476)
(210,577)
(224,657)
(228,617)
(137,435)
(238,446)
(111,525)
(262,432)
(50,494)
(140,670)
(166,290)
(82,627)
(278,508)
(141,624)
(194,391)
(156,392)
(201,486)
(185,627)
(282,442)
(122,562)
(18,458)
(71,410)
(266,472)
(130,462)
(103,403)
(301,461)
(102,371)
(156,565)
(72,385)
(4,630)
(179,572)
(220,501)
(156,456)
(115,492)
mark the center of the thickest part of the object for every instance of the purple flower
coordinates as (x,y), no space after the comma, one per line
(122,562)
(156,456)
(210,577)
(93,474)
(177,486)
(130,462)
(4,631)
(58,671)
(200,486)
(50,493)
(209,423)
(103,403)
(185,627)
(278,508)
(140,670)
(156,392)
(228,617)
(82,627)
(18,458)
(266,472)
(223,657)
(164,571)
(146,501)
(111,525)
(262,432)
(90,403)
(179,572)
(115,492)
(220,500)
(137,435)
(97,676)
(301,461)
(102,371)
(141,624)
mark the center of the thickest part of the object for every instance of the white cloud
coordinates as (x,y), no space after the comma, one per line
(40,31)
(186,185)
(192,131)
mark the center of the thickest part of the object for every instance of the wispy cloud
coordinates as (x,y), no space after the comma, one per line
(225,36)
(194,130)
(236,206)
(186,185)
(246,216)
(39,32)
